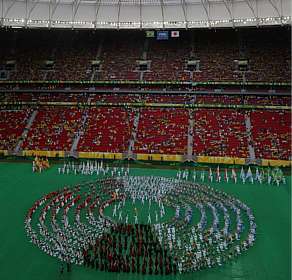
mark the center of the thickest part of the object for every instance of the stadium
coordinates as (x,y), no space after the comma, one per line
(145,139)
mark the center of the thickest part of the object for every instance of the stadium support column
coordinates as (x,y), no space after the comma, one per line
(144,57)
(162,13)
(119,13)
(45,76)
(94,73)
(184,8)
(24,134)
(73,150)
(190,136)
(141,76)
(130,153)
(251,151)
(99,50)
(145,49)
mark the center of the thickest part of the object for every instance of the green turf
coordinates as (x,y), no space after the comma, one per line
(269,259)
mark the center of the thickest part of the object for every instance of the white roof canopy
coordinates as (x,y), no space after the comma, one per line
(144,14)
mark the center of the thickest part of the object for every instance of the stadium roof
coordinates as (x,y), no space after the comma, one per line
(144,14)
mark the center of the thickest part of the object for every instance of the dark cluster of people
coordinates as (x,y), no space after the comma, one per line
(130,248)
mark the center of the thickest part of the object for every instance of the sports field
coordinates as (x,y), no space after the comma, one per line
(269,258)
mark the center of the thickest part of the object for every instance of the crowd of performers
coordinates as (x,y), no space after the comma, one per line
(40,164)
(90,167)
(130,248)
(204,246)
(225,229)
(146,189)
(270,176)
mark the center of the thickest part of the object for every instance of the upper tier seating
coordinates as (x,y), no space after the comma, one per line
(119,57)
(168,60)
(118,52)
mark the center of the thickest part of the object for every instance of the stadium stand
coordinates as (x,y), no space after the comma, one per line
(218,99)
(107,130)
(217,132)
(220,133)
(162,131)
(168,61)
(73,52)
(190,98)
(267,100)
(12,124)
(45,97)
(53,129)
(271,132)
(119,57)
(115,98)
(106,122)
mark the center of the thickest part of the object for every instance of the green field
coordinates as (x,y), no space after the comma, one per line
(268,259)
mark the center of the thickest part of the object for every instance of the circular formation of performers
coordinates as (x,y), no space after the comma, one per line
(207,228)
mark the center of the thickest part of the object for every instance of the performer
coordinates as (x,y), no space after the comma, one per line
(149,218)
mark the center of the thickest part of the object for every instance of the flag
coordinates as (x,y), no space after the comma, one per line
(174,34)
(249,173)
(194,175)
(277,175)
(242,174)
(210,174)
(162,35)
(150,34)
(202,176)
(218,174)
(257,176)
(226,175)
(233,175)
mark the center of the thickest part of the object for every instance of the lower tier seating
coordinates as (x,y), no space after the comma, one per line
(107,130)
(216,132)
(12,124)
(220,133)
(271,132)
(53,129)
(162,131)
